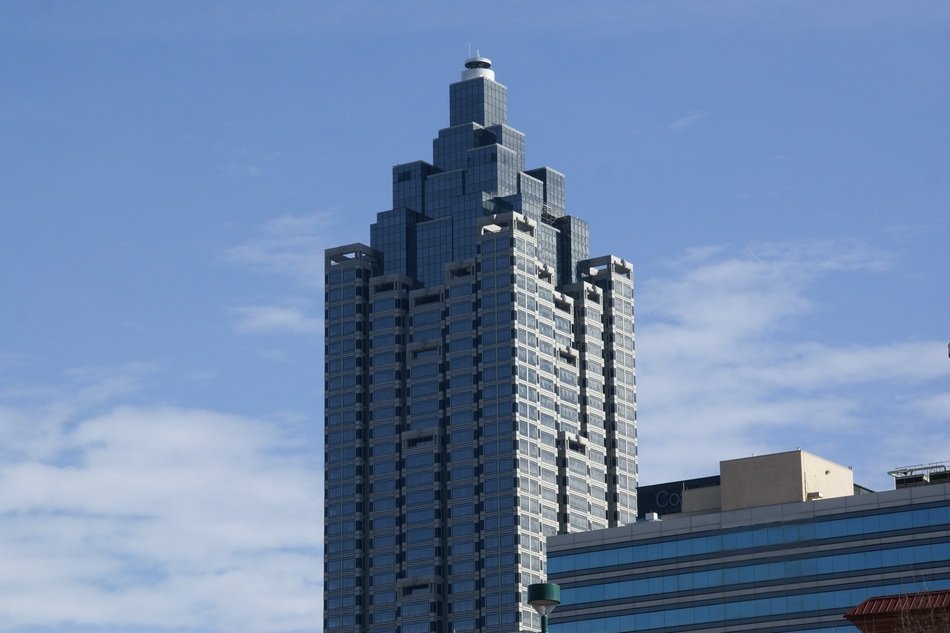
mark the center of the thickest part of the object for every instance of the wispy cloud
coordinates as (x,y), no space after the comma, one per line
(10,360)
(273,355)
(32,416)
(239,163)
(275,318)
(935,405)
(774,157)
(724,370)
(290,245)
(156,517)
(687,121)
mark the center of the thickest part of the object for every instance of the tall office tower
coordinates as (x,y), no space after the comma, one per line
(479,386)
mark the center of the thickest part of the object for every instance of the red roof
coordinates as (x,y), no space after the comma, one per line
(882,605)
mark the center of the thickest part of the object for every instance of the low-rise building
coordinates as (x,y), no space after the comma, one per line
(784,545)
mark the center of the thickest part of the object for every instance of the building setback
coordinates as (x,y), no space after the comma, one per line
(788,545)
(479,386)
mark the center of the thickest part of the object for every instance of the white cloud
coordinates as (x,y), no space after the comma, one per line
(273,355)
(11,360)
(724,370)
(687,120)
(936,405)
(31,415)
(275,319)
(157,517)
(240,163)
(291,245)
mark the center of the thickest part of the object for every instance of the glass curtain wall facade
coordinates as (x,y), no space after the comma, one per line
(479,387)
(791,568)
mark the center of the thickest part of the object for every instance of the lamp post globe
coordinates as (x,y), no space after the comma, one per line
(544,596)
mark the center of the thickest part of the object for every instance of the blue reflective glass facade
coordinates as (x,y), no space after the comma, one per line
(479,385)
(795,567)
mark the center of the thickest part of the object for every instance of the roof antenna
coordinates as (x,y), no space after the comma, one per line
(469,50)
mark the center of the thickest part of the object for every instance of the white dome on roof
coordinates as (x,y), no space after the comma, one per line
(478,67)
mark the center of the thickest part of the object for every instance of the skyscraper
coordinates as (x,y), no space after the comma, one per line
(479,386)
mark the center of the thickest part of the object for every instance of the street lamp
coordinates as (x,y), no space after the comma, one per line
(544,596)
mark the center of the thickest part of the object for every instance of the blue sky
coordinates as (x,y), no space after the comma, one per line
(172,171)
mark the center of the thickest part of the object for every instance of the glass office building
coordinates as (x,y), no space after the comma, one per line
(790,567)
(479,386)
